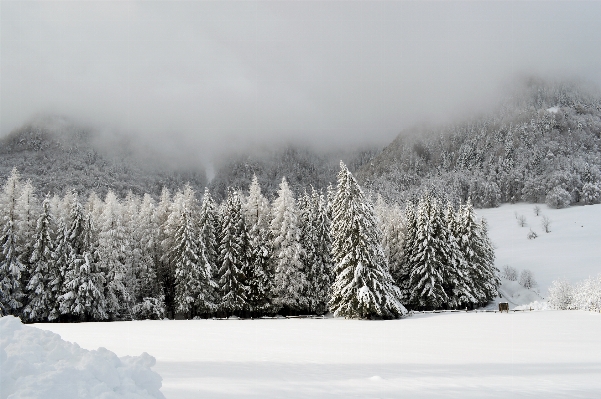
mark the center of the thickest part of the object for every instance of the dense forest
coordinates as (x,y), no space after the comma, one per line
(542,144)
(71,259)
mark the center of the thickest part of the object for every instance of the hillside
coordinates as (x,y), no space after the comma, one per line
(58,155)
(544,138)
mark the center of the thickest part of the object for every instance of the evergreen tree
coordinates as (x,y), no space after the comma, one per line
(26,210)
(41,298)
(209,228)
(164,242)
(113,253)
(402,273)
(260,276)
(363,287)
(83,286)
(11,268)
(290,277)
(194,286)
(233,257)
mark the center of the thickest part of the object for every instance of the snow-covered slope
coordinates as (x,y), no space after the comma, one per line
(552,354)
(572,250)
(39,364)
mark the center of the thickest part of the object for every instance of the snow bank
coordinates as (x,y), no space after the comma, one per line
(39,364)
(536,305)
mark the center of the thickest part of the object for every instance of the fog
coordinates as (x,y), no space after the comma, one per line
(199,79)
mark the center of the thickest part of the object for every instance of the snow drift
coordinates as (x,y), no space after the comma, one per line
(39,364)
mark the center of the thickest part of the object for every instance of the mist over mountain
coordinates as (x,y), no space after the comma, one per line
(58,155)
(543,143)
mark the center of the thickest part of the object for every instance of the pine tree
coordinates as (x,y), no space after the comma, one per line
(458,286)
(194,286)
(233,257)
(114,255)
(363,287)
(149,298)
(402,273)
(316,242)
(26,210)
(290,277)
(209,228)
(41,298)
(83,286)
(164,242)
(260,276)
(11,268)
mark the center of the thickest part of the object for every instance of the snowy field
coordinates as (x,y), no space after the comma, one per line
(551,354)
(572,249)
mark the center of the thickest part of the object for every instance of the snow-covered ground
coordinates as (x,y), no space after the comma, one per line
(551,354)
(37,364)
(572,250)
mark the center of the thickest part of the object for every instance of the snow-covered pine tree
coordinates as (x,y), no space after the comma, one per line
(40,296)
(83,287)
(260,275)
(402,273)
(150,301)
(113,253)
(392,225)
(316,241)
(458,284)
(60,255)
(11,290)
(233,257)
(363,287)
(290,277)
(164,242)
(26,211)
(487,276)
(208,231)
(194,286)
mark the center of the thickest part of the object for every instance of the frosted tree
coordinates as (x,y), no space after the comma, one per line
(233,257)
(26,209)
(259,273)
(459,282)
(316,242)
(39,290)
(11,268)
(290,277)
(114,257)
(83,287)
(561,295)
(410,246)
(164,242)
(391,222)
(194,286)
(208,231)
(150,301)
(363,287)
(429,261)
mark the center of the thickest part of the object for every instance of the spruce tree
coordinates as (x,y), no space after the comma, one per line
(83,286)
(194,286)
(290,276)
(233,257)
(363,287)
(402,273)
(11,268)
(208,231)
(260,276)
(41,298)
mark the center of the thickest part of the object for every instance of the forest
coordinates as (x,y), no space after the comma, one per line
(72,259)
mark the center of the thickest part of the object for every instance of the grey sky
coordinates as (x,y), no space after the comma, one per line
(208,76)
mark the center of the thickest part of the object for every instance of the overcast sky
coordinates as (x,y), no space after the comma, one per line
(207,76)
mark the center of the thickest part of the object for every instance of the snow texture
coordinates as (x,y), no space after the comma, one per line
(39,364)
(546,355)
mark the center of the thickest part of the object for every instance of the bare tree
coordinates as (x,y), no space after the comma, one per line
(546,222)
(536,210)
(527,279)
(521,220)
(532,235)
(509,273)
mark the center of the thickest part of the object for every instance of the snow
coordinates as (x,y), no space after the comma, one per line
(39,364)
(550,354)
(553,110)
(571,250)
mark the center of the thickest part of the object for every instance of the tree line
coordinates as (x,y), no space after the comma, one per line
(67,259)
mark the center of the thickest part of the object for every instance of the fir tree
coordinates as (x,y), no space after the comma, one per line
(41,298)
(290,277)
(11,268)
(233,257)
(259,273)
(363,287)
(208,231)
(194,286)
(84,281)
